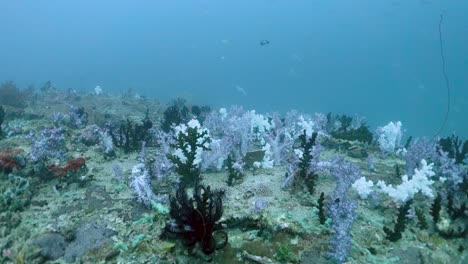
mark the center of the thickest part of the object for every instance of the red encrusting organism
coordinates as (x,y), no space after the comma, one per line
(73,166)
(8,160)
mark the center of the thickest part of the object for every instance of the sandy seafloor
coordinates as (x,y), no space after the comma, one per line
(130,232)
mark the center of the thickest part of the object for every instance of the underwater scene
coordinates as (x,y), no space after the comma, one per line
(242,131)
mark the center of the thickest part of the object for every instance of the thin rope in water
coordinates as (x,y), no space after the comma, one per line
(447,83)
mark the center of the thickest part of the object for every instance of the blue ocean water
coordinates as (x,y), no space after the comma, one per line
(380,59)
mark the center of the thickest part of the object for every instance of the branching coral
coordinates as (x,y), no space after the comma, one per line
(345,173)
(421,218)
(235,171)
(231,133)
(162,166)
(190,142)
(141,185)
(321,208)
(78,118)
(421,148)
(93,134)
(344,215)
(305,175)
(419,182)
(455,147)
(342,211)
(400,225)
(348,128)
(196,218)
(131,135)
(435,208)
(175,114)
(179,113)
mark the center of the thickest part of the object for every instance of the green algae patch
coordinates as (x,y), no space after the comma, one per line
(165,247)
(147,220)
(120,246)
(138,240)
(160,208)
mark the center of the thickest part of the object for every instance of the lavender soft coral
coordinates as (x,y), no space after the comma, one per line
(162,165)
(50,144)
(78,118)
(141,185)
(233,128)
(343,214)
(345,173)
(422,148)
(342,211)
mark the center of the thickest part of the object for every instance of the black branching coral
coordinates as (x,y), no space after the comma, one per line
(179,113)
(175,114)
(435,208)
(321,208)
(400,225)
(347,131)
(421,218)
(195,219)
(456,148)
(235,171)
(305,175)
(453,210)
(132,135)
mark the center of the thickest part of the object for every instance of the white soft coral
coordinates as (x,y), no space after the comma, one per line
(363,187)
(390,136)
(420,182)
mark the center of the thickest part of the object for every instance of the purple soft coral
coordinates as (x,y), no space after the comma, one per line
(51,144)
(231,133)
(422,148)
(343,214)
(162,165)
(78,117)
(345,174)
(141,184)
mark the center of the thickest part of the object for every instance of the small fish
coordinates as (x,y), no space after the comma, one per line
(264,42)
(241,90)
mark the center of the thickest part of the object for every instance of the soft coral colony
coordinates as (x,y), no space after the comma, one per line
(211,178)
